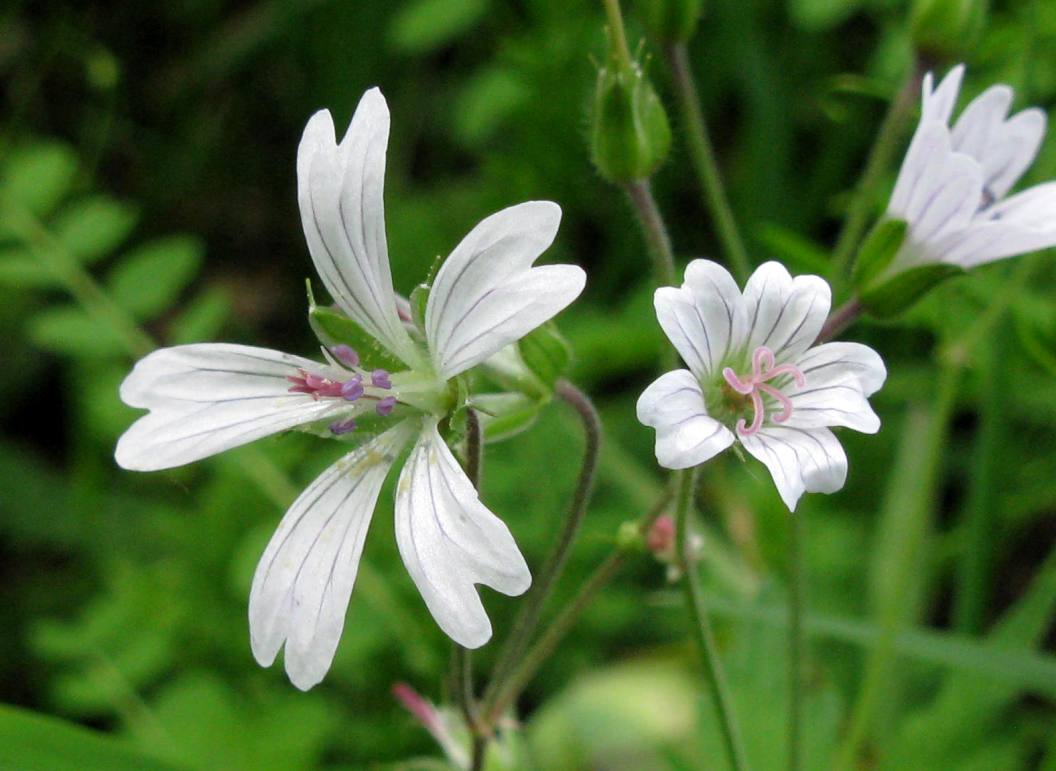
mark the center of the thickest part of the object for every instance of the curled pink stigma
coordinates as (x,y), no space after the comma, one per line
(755,385)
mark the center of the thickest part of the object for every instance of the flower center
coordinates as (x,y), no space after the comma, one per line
(756,384)
(350,389)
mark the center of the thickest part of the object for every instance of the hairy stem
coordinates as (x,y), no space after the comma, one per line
(702,156)
(532,608)
(617,35)
(880,157)
(796,641)
(701,625)
(657,240)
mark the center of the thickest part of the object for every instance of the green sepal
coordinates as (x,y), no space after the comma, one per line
(904,289)
(419,299)
(878,250)
(505,415)
(545,353)
(453,429)
(334,328)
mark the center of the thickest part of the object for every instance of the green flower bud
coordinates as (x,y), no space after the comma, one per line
(946,29)
(670,21)
(630,136)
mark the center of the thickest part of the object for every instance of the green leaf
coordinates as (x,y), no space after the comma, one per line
(505,415)
(878,250)
(486,102)
(332,328)
(94,227)
(820,15)
(897,295)
(203,317)
(22,270)
(38,176)
(546,353)
(798,253)
(424,25)
(70,331)
(33,742)
(148,281)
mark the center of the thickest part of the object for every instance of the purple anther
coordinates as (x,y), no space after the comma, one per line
(379,378)
(340,427)
(346,355)
(352,388)
(385,405)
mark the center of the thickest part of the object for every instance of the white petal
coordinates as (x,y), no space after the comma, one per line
(304,580)
(703,318)
(1011,155)
(449,541)
(800,460)
(938,104)
(838,402)
(783,313)
(487,294)
(832,361)
(204,399)
(981,120)
(685,436)
(340,193)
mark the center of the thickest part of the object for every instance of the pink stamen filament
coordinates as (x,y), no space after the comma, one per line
(755,385)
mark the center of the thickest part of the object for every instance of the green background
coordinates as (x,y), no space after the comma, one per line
(151,147)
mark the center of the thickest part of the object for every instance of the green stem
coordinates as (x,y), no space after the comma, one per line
(657,240)
(702,156)
(532,607)
(796,640)
(880,158)
(616,31)
(892,612)
(547,643)
(694,596)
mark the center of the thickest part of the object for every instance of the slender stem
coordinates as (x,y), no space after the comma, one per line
(474,448)
(796,641)
(702,156)
(532,607)
(619,37)
(545,646)
(656,238)
(880,157)
(694,595)
(840,319)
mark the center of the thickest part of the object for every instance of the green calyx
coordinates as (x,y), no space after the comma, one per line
(630,133)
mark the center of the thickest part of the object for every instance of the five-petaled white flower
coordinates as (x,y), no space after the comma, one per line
(753,377)
(952,186)
(204,399)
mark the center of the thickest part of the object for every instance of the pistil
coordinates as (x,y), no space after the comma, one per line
(755,385)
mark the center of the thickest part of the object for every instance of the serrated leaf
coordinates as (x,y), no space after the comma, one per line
(424,25)
(94,227)
(38,176)
(897,295)
(22,270)
(878,250)
(32,741)
(332,328)
(546,353)
(71,331)
(202,318)
(148,281)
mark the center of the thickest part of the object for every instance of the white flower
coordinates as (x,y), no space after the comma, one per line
(753,377)
(953,183)
(204,399)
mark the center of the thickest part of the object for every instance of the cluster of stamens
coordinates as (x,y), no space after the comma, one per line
(756,384)
(350,389)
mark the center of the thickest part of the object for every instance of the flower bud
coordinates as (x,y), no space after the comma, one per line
(630,136)
(670,21)
(946,29)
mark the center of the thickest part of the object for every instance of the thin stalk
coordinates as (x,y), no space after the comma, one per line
(657,240)
(702,156)
(796,640)
(880,157)
(547,643)
(532,607)
(839,320)
(701,625)
(618,36)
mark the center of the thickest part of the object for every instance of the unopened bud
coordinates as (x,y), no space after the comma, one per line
(670,21)
(631,135)
(946,29)
(661,537)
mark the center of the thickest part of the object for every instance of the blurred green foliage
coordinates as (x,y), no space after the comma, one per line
(147,184)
